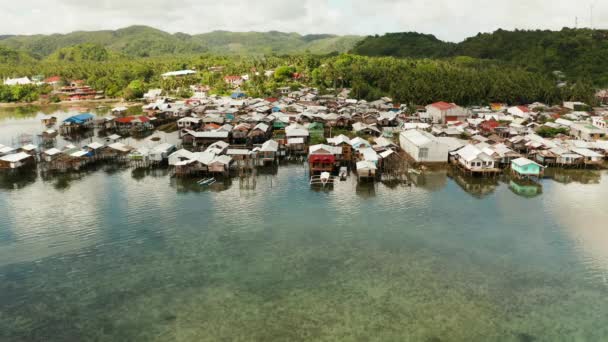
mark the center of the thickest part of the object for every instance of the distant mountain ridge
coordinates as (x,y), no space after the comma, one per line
(144,41)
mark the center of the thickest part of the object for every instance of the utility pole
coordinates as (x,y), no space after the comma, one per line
(591,7)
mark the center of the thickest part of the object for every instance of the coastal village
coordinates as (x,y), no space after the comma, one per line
(334,135)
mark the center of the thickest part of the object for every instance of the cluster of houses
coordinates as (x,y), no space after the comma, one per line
(334,131)
(75,90)
(219,134)
(488,140)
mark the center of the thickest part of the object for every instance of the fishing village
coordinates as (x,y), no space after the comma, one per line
(332,135)
(311,171)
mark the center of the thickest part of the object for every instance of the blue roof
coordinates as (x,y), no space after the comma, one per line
(80,118)
(237,95)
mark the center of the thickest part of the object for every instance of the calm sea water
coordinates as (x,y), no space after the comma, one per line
(121,255)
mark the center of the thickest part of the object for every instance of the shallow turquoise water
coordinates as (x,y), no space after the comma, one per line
(117,255)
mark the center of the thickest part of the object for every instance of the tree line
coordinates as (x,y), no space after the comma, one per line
(463,80)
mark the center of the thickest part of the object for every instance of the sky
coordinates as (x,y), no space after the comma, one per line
(451,20)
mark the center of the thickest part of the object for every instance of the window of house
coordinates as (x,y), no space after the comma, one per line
(423,153)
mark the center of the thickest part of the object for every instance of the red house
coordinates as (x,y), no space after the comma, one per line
(489,125)
(322,158)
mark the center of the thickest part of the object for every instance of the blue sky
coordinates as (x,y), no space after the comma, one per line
(451,20)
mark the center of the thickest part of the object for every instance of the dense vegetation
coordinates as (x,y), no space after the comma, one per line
(579,53)
(143,41)
(414,81)
(511,67)
(462,80)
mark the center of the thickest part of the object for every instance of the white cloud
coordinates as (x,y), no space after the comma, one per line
(448,19)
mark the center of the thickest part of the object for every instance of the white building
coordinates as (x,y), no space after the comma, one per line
(423,147)
(179,73)
(17,81)
(443,112)
(600,122)
(474,159)
(188,122)
(586,131)
(519,111)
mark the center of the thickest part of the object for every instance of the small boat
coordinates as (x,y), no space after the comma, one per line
(324,179)
(414,171)
(206,182)
(343,173)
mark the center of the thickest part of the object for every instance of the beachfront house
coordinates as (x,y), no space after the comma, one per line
(16,161)
(590,157)
(220,164)
(344,143)
(473,159)
(30,149)
(525,168)
(423,147)
(297,137)
(161,152)
(366,170)
(6,150)
(50,155)
(268,152)
(76,123)
(322,158)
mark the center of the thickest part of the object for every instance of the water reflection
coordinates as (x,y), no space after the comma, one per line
(366,190)
(187,185)
(528,189)
(154,172)
(432,181)
(478,187)
(10,180)
(566,176)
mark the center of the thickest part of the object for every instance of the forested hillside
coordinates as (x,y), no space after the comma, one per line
(578,53)
(143,41)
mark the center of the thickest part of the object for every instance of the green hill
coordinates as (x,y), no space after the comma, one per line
(406,44)
(579,53)
(143,41)
(8,55)
(80,53)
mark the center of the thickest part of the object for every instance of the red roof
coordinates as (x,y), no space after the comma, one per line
(212,126)
(53,79)
(489,125)
(524,109)
(322,158)
(443,105)
(233,78)
(296,75)
(129,119)
(272,99)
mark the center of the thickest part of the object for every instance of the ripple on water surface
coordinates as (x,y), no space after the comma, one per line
(118,256)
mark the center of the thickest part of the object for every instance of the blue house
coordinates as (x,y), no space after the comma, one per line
(76,123)
(238,95)
(525,168)
(79,119)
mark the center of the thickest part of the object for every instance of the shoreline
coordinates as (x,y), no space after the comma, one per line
(65,103)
